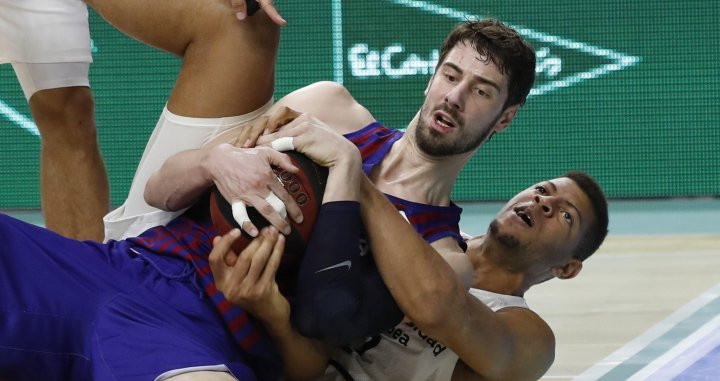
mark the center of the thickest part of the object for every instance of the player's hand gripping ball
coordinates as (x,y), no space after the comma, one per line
(306,187)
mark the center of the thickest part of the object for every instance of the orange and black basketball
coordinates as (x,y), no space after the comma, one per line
(306,187)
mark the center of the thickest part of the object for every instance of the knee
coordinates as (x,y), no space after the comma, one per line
(217,24)
(63,101)
(65,113)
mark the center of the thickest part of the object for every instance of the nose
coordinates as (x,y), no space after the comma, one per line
(455,97)
(547,204)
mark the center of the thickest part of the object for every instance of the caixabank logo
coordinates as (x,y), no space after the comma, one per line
(397,40)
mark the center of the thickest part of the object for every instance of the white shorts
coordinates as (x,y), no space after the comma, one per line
(172,134)
(44,31)
(34,77)
(47,41)
(177,372)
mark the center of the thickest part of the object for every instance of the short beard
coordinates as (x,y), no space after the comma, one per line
(511,254)
(428,140)
(506,240)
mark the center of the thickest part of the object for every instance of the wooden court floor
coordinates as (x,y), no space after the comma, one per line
(632,286)
(647,301)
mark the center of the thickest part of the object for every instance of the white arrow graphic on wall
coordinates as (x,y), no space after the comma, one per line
(547,63)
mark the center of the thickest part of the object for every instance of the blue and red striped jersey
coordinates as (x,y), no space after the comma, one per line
(430,221)
(191,240)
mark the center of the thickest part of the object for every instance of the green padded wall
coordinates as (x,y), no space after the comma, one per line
(627,90)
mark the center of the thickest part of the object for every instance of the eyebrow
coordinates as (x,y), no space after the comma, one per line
(577,211)
(477,77)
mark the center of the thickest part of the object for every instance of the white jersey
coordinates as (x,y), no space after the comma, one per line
(406,352)
(44,31)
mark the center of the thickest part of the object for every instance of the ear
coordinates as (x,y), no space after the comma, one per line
(506,118)
(429,84)
(568,271)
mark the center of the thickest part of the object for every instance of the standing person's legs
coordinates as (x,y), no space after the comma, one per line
(48,43)
(228,65)
(226,79)
(73,180)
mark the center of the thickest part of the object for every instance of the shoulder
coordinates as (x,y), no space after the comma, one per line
(451,252)
(332,103)
(534,341)
(492,345)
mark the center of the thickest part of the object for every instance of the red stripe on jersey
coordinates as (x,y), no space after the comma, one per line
(250,339)
(239,321)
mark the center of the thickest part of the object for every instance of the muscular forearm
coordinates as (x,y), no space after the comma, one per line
(344,179)
(421,282)
(180,181)
(426,289)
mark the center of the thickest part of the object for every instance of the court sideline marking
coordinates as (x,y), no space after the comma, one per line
(662,343)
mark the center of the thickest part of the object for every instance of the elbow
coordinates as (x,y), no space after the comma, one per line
(329,315)
(334,91)
(330,87)
(430,309)
(151,195)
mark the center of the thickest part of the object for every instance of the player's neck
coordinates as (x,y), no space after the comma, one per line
(489,276)
(409,173)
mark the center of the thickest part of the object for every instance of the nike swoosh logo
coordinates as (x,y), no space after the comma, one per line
(341,264)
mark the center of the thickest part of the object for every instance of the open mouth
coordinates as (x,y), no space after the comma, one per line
(444,121)
(526,217)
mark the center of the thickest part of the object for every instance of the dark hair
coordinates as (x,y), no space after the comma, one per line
(598,230)
(502,46)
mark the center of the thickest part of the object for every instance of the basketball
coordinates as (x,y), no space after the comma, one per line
(306,187)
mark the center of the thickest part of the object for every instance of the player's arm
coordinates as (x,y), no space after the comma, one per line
(248,280)
(186,175)
(241,174)
(331,103)
(328,102)
(428,291)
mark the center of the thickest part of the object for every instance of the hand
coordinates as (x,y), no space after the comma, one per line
(240,7)
(245,175)
(264,125)
(316,140)
(248,280)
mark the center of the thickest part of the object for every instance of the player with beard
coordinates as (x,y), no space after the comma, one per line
(484,75)
(451,333)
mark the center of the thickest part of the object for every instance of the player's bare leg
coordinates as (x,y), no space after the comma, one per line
(228,65)
(73,179)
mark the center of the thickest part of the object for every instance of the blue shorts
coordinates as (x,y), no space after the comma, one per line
(72,310)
